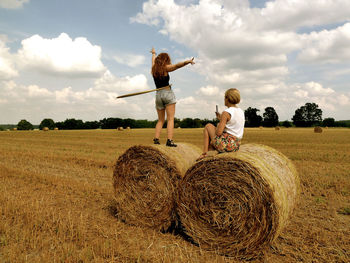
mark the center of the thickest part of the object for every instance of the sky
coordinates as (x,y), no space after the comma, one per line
(71,59)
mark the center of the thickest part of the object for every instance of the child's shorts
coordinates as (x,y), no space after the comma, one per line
(226,143)
(164,97)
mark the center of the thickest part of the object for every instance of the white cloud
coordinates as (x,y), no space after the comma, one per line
(130,60)
(96,102)
(228,37)
(109,82)
(36,91)
(7,68)
(249,48)
(294,14)
(327,46)
(61,55)
(209,91)
(12,4)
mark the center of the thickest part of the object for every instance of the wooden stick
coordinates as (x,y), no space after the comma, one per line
(142,92)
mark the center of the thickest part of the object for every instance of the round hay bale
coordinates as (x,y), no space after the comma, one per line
(128,128)
(56,129)
(318,129)
(277,128)
(237,203)
(14,129)
(120,129)
(261,127)
(145,179)
(45,129)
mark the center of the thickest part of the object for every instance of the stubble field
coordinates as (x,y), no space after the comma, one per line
(56,198)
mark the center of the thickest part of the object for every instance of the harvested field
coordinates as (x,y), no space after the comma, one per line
(56,198)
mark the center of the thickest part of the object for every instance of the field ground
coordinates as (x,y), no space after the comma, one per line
(56,198)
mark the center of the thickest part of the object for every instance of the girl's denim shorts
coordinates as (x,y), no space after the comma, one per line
(164,97)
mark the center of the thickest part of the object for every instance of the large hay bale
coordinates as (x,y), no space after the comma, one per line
(318,129)
(237,203)
(120,128)
(145,180)
(277,128)
(45,129)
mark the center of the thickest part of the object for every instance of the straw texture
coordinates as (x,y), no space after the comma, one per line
(237,203)
(145,180)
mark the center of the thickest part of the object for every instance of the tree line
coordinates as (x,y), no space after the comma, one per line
(308,115)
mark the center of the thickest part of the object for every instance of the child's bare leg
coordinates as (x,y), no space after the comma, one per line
(209,134)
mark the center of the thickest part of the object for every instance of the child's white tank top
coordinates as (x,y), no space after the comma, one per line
(235,126)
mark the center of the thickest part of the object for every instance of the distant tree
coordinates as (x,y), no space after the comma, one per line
(73,124)
(177,122)
(47,123)
(342,123)
(24,125)
(329,122)
(111,123)
(190,123)
(270,117)
(89,125)
(252,119)
(59,125)
(287,124)
(144,124)
(129,123)
(307,115)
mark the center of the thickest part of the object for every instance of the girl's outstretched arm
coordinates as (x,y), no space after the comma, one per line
(173,67)
(153,55)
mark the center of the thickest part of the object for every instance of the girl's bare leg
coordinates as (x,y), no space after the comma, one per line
(160,123)
(170,114)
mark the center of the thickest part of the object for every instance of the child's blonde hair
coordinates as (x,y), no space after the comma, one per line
(233,96)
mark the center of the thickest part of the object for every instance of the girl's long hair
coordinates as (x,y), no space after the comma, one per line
(158,69)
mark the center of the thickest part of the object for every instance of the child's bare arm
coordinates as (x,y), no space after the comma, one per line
(225,116)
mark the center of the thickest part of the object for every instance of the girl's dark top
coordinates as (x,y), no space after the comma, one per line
(162,81)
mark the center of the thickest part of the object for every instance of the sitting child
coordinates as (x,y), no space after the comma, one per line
(226,137)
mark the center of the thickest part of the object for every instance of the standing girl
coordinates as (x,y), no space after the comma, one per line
(226,137)
(165,98)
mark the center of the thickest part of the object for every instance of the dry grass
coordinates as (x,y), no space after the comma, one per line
(56,198)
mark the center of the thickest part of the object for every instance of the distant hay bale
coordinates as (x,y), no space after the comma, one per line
(128,128)
(14,129)
(45,129)
(145,179)
(318,129)
(56,129)
(261,127)
(277,128)
(120,129)
(237,203)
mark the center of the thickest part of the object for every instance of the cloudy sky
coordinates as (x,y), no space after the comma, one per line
(70,59)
